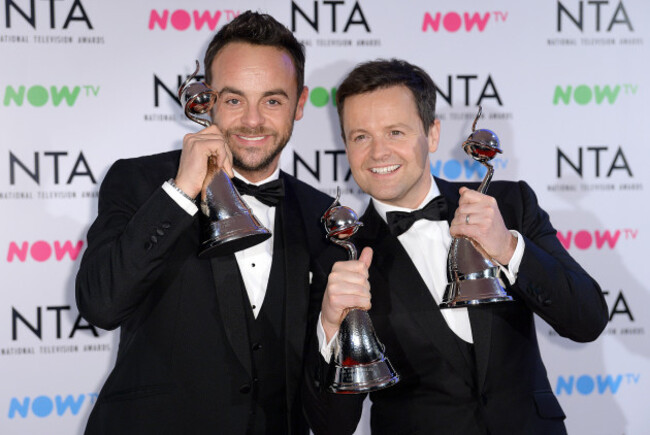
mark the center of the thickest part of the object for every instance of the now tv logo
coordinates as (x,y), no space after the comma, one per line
(181,19)
(454,21)
(42,251)
(44,406)
(601,384)
(584,239)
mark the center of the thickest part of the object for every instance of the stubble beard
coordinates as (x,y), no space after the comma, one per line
(257,163)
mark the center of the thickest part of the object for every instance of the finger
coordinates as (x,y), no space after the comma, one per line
(211,129)
(469,196)
(346,302)
(366,256)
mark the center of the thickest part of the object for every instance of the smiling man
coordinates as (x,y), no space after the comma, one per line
(209,345)
(468,371)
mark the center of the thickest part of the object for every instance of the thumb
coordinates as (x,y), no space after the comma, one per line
(366,256)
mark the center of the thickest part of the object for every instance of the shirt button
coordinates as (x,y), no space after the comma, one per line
(257,346)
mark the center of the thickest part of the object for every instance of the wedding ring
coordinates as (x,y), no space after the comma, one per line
(467,219)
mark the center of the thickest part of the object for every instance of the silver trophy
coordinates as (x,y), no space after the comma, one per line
(474,275)
(228,224)
(358,363)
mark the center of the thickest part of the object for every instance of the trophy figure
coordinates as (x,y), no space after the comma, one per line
(358,363)
(228,224)
(474,275)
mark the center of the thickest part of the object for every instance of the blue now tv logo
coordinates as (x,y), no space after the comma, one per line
(453,169)
(45,406)
(598,384)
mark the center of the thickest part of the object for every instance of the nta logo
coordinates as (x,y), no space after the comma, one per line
(76,12)
(42,251)
(585,239)
(617,163)
(36,326)
(354,16)
(601,9)
(453,21)
(38,95)
(43,406)
(79,169)
(460,87)
(181,19)
(585,94)
(586,384)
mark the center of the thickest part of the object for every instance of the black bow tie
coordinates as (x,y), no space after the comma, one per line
(268,193)
(400,221)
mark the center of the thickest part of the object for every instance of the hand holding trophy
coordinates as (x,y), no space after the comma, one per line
(228,224)
(358,364)
(475,276)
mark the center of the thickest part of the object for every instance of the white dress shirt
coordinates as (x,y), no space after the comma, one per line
(427,244)
(254,262)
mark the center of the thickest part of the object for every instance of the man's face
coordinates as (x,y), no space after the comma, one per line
(387,146)
(257,104)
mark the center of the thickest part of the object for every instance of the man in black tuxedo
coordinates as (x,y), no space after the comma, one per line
(475,370)
(209,345)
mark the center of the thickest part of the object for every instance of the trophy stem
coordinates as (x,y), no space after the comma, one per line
(486,180)
(349,246)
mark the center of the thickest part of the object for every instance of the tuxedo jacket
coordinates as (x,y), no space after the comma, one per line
(184,358)
(503,387)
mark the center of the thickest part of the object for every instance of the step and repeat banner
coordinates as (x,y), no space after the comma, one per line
(563,83)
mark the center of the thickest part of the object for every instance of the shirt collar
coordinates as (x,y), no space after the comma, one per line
(274,176)
(383,208)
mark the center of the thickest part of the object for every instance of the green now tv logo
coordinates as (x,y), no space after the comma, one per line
(586,94)
(38,95)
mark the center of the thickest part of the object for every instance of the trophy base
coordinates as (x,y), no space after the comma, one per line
(362,378)
(231,235)
(474,292)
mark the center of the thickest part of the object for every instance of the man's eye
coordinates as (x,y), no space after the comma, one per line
(273,103)
(395,133)
(359,138)
(232,101)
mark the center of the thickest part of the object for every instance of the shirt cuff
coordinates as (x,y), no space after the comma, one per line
(185,203)
(513,266)
(326,349)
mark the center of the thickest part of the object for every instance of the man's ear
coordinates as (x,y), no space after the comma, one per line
(433,136)
(302,99)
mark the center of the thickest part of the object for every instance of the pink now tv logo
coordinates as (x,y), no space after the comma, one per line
(42,251)
(585,239)
(181,19)
(454,21)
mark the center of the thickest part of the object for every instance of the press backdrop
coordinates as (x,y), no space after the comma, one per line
(563,83)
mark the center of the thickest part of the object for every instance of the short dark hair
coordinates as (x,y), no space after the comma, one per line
(257,29)
(380,74)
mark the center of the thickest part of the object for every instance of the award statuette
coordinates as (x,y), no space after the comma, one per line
(358,363)
(474,275)
(228,224)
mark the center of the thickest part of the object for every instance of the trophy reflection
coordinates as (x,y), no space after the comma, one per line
(228,224)
(358,363)
(474,275)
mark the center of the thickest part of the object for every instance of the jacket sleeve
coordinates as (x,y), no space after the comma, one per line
(128,243)
(552,283)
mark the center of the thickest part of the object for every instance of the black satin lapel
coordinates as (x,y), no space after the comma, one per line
(227,280)
(402,278)
(296,273)
(480,318)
